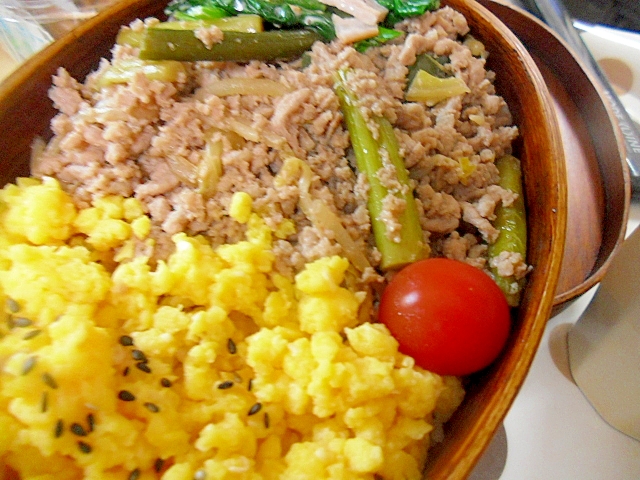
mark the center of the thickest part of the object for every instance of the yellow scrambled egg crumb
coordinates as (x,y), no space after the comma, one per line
(209,365)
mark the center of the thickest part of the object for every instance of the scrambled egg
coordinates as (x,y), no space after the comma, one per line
(207,366)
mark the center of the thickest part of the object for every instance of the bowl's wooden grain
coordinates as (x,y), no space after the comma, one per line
(25,112)
(597,174)
(540,147)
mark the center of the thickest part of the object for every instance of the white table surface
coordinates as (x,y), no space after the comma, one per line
(551,431)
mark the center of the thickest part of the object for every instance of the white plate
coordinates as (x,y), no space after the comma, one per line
(617,52)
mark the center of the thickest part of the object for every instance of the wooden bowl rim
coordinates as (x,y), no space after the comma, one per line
(595,276)
(493,412)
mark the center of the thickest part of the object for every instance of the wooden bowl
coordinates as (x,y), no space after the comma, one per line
(25,112)
(598,187)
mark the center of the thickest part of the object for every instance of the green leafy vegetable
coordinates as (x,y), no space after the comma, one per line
(401,9)
(429,64)
(385,35)
(194,10)
(310,14)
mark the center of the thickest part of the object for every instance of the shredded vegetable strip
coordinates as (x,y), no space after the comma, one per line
(321,216)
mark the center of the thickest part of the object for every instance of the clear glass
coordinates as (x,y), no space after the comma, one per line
(26,26)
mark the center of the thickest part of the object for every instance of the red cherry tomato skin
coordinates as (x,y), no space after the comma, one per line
(451,317)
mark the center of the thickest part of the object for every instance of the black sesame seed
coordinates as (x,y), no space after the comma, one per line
(12,305)
(125,371)
(159,463)
(144,366)
(231,346)
(135,474)
(226,384)
(126,341)
(152,407)
(49,380)
(28,364)
(78,430)
(31,334)
(57,431)
(255,408)
(22,322)
(44,402)
(84,447)
(139,355)
(91,421)
(267,420)
(165,382)
(250,384)
(126,396)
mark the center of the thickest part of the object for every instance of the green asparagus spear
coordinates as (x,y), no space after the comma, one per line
(183,45)
(511,222)
(369,161)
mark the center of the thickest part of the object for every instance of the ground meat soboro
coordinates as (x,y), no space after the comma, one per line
(150,139)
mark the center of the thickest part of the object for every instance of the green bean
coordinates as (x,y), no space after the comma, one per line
(511,222)
(183,45)
(369,161)
(239,23)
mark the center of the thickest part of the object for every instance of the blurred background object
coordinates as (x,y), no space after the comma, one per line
(27,26)
(623,14)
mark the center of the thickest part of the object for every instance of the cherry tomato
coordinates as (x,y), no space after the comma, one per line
(451,317)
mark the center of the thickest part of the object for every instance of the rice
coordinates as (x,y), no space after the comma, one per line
(171,308)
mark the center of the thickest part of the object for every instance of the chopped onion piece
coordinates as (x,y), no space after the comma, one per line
(210,168)
(247,86)
(351,30)
(368,11)
(249,132)
(321,216)
(182,168)
(38,147)
(243,129)
(475,46)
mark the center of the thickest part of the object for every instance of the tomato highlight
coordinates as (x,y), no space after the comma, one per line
(451,317)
